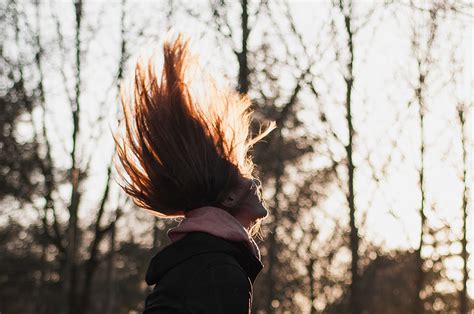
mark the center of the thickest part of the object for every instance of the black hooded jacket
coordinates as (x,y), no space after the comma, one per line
(202,273)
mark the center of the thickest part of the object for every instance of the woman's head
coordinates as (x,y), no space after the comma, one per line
(180,152)
(245,203)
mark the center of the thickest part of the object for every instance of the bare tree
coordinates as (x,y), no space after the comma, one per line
(463,111)
(464,301)
(426,30)
(424,64)
(78,271)
(352,26)
(346,10)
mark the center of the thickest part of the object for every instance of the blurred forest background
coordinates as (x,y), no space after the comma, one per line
(368,176)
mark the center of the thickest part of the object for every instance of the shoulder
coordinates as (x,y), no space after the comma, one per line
(219,263)
(221,285)
(217,269)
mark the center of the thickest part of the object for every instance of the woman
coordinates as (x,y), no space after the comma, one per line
(185,156)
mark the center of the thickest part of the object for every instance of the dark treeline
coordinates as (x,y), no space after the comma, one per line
(71,242)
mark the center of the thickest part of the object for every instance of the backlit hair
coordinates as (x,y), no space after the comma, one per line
(180,151)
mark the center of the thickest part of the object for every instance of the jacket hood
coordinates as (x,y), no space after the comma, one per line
(195,243)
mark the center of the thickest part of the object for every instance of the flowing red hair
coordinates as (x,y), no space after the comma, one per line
(180,152)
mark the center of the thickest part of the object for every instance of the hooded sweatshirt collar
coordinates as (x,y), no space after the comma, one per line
(217,222)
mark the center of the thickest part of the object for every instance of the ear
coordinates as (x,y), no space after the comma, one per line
(236,195)
(231,199)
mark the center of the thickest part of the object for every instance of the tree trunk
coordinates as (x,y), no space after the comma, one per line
(75,173)
(312,282)
(109,279)
(272,241)
(354,234)
(242,56)
(420,276)
(464,305)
